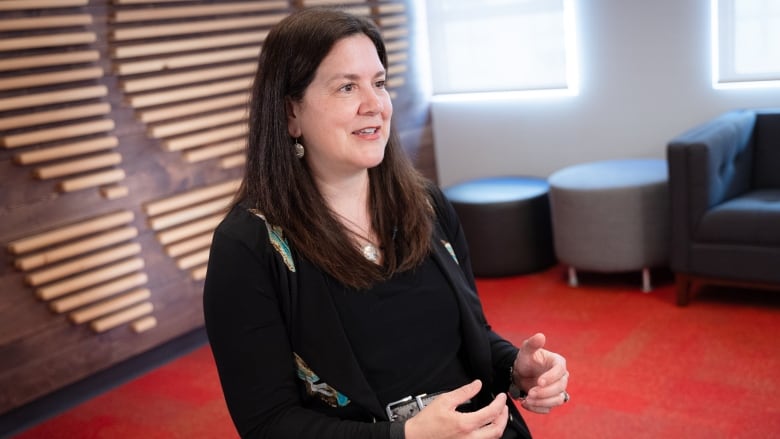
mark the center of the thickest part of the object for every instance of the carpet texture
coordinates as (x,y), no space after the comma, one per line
(640,366)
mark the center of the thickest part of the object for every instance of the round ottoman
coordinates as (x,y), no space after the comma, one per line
(506,221)
(611,216)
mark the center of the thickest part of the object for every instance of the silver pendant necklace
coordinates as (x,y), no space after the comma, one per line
(370,252)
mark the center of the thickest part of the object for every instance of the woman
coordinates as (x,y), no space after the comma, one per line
(339,300)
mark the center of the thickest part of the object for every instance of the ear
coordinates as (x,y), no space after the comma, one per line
(293,123)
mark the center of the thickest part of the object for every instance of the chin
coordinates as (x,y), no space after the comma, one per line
(372,162)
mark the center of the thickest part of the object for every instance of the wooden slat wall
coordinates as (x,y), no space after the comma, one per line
(122,127)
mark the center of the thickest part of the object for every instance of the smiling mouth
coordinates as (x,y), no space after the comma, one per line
(366,131)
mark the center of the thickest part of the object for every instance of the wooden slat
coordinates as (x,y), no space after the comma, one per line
(12,5)
(392,8)
(205,137)
(197,123)
(363,11)
(92,180)
(215,150)
(99,292)
(185,215)
(67,150)
(393,20)
(114,191)
(232,161)
(50,59)
(100,309)
(85,263)
(194,259)
(192,197)
(212,42)
(399,45)
(189,245)
(310,3)
(54,97)
(53,40)
(150,14)
(45,22)
(176,234)
(62,77)
(199,273)
(89,279)
(181,61)
(77,248)
(139,2)
(59,115)
(395,82)
(395,33)
(177,79)
(72,231)
(77,166)
(396,69)
(190,108)
(144,324)
(63,132)
(130,33)
(397,57)
(187,93)
(120,318)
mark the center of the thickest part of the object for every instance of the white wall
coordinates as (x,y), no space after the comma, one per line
(644,78)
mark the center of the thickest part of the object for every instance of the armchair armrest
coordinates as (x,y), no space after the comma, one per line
(707,165)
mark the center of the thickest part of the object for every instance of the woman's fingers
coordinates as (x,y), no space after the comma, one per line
(442,420)
(462,394)
(489,421)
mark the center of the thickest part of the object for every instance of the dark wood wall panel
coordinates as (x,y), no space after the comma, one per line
(121,141)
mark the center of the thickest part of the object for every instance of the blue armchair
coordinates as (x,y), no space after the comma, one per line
(724,183)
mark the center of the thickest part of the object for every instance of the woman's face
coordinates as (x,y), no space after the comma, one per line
(344,116)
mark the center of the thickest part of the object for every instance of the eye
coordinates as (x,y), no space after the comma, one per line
(380,83)
(347,87)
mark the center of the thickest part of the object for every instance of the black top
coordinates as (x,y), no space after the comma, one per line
(413,318)
(287,367)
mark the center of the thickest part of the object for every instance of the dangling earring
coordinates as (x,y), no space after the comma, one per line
(299,151)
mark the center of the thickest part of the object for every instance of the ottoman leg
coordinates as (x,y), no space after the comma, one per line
(573,277)
(646,285)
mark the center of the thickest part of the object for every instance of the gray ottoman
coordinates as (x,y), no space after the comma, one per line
(611,216)
(506,221)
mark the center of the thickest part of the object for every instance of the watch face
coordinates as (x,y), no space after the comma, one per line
(516,392)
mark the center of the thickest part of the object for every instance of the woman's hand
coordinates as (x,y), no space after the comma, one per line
(542,374)
(441,420)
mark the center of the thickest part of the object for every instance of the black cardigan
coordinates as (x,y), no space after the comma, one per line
(272,325)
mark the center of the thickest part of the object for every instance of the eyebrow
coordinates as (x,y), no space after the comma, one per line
(355,77)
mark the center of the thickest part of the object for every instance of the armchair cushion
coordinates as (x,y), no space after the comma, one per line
(750,219)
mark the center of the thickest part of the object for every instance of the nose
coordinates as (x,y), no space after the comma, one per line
(371,102)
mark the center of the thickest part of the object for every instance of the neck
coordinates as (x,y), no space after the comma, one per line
(349,201)
(348,198)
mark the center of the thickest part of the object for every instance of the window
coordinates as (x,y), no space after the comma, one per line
(501,45)
(746,43)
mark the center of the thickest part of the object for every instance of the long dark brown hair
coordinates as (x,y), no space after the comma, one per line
(279,184)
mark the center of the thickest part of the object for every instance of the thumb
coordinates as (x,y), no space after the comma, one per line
(464,393)
(533,343)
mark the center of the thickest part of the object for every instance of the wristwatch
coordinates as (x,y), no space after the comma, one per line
(515,392)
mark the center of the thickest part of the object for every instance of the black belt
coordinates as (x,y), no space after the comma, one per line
(405,408)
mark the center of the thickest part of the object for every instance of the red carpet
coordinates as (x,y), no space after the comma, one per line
(641,367)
